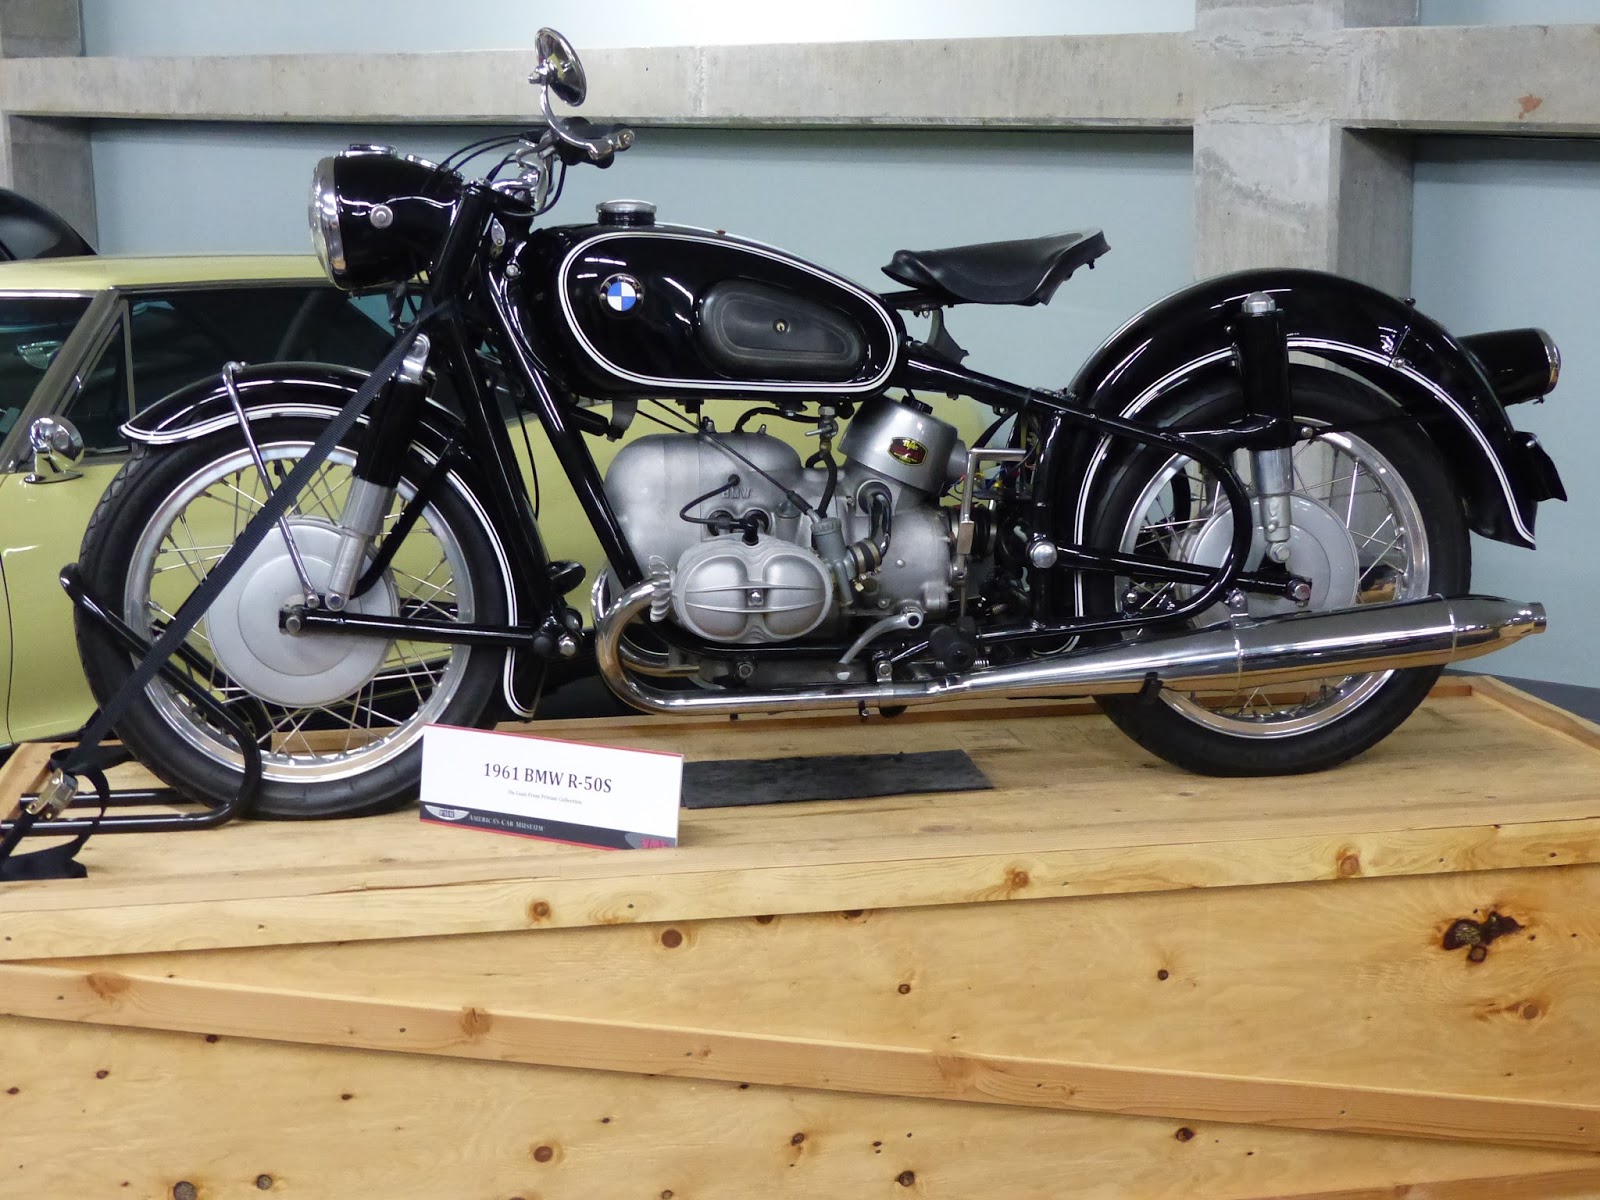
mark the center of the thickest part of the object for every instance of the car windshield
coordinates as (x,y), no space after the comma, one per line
(172,338)
(32,329)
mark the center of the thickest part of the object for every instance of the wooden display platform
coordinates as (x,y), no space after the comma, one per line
(1105,978)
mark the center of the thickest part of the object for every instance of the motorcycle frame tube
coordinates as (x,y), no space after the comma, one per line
(1059,415)
(566,439)
(1189,337)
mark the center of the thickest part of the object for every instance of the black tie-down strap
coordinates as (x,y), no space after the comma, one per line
(84,758)
(53,862)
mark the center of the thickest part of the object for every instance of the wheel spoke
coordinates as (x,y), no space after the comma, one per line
(191,529)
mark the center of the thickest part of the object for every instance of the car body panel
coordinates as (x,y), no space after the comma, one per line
(43,526)
(116,333)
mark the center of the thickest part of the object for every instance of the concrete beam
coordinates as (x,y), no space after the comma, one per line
(46,159)
(33,27)
(1279,181)
(1246,56)
(1541,79)
(1125,81)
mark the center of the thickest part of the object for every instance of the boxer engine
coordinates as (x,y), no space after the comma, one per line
(756,550)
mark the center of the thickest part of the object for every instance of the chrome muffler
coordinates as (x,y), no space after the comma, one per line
(1275,650)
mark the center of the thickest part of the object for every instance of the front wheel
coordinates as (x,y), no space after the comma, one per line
(1375,518)
(339,719)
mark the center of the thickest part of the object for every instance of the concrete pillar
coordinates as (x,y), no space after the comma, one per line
(1276,183)
(47,160)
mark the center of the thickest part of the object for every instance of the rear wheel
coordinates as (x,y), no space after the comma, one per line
(339,719)
(1375,520)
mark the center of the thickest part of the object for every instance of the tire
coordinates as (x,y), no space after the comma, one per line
(171,513)
(1373,480)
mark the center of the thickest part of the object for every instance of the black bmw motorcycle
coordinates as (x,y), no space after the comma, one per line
(1243,527)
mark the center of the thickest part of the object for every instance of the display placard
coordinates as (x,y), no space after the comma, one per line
(538,787)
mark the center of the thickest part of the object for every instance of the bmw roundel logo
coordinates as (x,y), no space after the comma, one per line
(621,294)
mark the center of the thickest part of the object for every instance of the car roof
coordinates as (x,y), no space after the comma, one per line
(93,274)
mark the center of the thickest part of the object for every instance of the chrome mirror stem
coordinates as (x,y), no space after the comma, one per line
(57,448)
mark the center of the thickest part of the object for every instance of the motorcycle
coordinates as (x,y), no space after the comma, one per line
(1243,527)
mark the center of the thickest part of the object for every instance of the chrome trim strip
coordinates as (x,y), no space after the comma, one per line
(1553,353)
(1396,364)
(185,433)
(704,385)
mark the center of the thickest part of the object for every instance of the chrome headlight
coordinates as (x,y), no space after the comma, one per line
(378,219)
(324,218)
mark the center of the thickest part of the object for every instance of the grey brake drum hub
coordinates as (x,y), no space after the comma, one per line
(1320,549)
(298,670)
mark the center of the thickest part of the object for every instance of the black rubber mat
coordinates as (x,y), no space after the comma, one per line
(740,781)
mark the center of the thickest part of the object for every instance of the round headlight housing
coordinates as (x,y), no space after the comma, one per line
(378,219)
(324,218)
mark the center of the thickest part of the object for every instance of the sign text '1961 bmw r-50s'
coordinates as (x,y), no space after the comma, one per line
(1243,527)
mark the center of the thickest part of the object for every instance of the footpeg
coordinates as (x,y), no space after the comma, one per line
(566,575)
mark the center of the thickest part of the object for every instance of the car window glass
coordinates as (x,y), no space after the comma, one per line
(182,335)
(32,329)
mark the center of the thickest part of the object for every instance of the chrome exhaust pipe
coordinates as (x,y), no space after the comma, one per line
(1275,650)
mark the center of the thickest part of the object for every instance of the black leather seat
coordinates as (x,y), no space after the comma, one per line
(1021,272)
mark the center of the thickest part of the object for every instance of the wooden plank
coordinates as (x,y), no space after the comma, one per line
(1330,963)
(100,997)
(1463,786)
(1541,712)
(1340,984)
(20,775)
(222,1114)
(351,906)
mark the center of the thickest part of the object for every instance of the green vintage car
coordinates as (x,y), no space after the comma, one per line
(90,340)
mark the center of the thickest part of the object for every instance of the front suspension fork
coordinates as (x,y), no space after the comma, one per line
(377,474)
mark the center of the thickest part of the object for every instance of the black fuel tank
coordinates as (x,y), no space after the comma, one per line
(666,310)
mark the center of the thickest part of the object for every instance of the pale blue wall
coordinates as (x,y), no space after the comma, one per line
(230,27)
(1506,236)
(847,198)
(1509,12)
(1504,231)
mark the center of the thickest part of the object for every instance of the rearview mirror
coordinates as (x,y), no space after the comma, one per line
(57,446)
(559,68)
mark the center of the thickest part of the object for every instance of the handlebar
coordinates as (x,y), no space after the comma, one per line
(579,140)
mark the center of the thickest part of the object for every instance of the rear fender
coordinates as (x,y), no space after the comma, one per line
(1142,370)
(320,390)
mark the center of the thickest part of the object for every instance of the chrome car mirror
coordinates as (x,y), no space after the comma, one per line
(559,68)
(57,446)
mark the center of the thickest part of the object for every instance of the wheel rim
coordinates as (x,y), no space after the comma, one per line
(1340,474)
(188,534)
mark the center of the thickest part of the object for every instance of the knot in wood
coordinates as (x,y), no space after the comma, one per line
(1478,934)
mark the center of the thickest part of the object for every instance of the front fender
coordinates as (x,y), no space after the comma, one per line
(1501,473)
(320,390)
(266,390)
